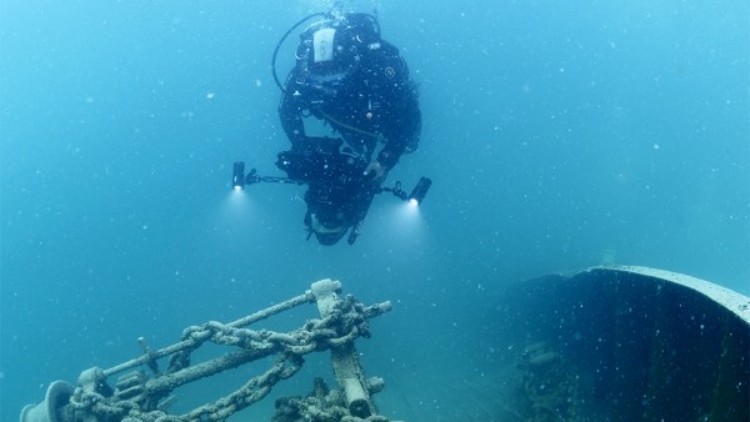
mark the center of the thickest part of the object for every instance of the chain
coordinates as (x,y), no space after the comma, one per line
(346,323)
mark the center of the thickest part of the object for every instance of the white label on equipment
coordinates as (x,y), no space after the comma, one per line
(323,44)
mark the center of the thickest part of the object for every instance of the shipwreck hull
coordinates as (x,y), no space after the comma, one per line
(623,343)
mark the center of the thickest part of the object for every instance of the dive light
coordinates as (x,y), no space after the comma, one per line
(418,193)
(238,176)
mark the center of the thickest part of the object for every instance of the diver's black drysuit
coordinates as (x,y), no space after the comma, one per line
(349,78)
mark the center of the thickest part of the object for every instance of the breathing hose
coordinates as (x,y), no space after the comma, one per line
(283,38)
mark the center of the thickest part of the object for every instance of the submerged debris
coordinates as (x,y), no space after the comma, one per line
(323,405)
(549,386)
(142,397)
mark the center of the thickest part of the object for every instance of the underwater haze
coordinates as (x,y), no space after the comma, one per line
(559,135)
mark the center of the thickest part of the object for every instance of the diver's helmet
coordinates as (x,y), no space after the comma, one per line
(328,230)
(331,50)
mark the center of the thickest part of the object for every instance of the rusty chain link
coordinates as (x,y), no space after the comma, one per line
(347,322)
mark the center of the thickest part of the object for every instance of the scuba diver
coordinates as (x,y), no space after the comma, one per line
(350,110)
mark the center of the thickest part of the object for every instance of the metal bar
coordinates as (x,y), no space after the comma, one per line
(184,344)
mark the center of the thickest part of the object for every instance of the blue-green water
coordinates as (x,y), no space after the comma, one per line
(559,135)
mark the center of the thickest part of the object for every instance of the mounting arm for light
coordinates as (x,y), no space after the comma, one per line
(417,194)
(240,180)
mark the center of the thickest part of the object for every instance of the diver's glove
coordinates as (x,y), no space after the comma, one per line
(376,173)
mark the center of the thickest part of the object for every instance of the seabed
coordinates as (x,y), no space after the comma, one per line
(605,344)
